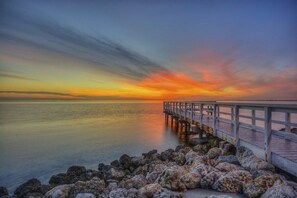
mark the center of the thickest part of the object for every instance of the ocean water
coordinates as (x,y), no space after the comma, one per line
(39,139)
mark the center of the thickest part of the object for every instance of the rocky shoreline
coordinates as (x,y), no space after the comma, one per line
(216,165)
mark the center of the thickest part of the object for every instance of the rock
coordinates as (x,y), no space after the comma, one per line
(30,188)
(221,144)
(125,161)
(258,186)
(208,180)
(218,196)
(3,191)
(61,191)
(280,191)
(232,182)
(122,192)
(152,155)
(197,141)
(167,155)
(191,180)
(250,162)
(180,159)
(171,178)
(164,193)
(93,173)
(149,190)
(226,167)
(202,169)
(232,159)
(258,173)
(85,195)
(179,147)
(185,150)
(116,174)
(153,174)
(137,182)
(138,161)
(115,163)
(73,174)
(214,152)
(228,149)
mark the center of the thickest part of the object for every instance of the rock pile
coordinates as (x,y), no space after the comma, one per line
(166,174)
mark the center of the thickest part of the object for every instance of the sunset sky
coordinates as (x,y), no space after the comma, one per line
(192,50)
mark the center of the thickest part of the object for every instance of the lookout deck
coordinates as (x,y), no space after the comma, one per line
(267,129)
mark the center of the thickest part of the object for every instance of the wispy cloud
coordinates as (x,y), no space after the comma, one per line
(17,77)
(105,54)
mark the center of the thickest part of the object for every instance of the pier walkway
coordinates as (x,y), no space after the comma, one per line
(269,130)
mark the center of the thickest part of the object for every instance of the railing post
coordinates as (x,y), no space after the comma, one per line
(253,117)
(236,125)
(192,113)
(267,140)
(287,121)
(201,115)
(214,113)
(185,111)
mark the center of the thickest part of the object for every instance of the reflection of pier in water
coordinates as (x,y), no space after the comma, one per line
(267,129)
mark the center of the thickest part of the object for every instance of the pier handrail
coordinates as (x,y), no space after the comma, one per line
(255,125)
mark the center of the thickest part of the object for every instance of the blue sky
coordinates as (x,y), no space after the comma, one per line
(148,49)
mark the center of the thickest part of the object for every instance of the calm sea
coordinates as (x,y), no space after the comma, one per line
(39,139)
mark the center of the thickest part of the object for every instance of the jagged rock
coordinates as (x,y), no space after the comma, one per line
(167,155)
(258,173)
(85,195)
(190,156)
(149,190)
(228,149)
(226,167)
(152,155)
(30,188)
(138,161)
(232,159)
(93,173)
(201,149)
(208,180)
(202,169)
(179,147)
(203,160)
(73,174)
(94,186)
(185,150)
(164,193)
(155,171)
(214,152)
(125,161)
(115,163)
(3,191)
(180,158)
(122,192)
(134,182)
(171,178)
(191,180)
(116,174)
(232,182)
(250,162)
(258,186)
(280,191)
(61,191)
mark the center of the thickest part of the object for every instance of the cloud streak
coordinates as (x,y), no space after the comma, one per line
(102,53)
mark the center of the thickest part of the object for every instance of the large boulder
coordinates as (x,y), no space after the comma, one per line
(209,179)
(85,195)
(122,192)
(94,186)
(258,186)
(61,191)
(73,174)
(251,162)
(125,161)
(232,159)
(154,170)
(32,187)
(167,155)
(232,182)
(137,182)
(164,193)
(214,152)
(3,191)
(149,190)
(226,167)
(171,178)
(280,191)
(191,180)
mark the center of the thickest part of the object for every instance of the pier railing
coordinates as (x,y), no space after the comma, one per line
(270,130)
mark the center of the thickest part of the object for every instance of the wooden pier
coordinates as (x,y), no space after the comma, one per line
(267,129)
